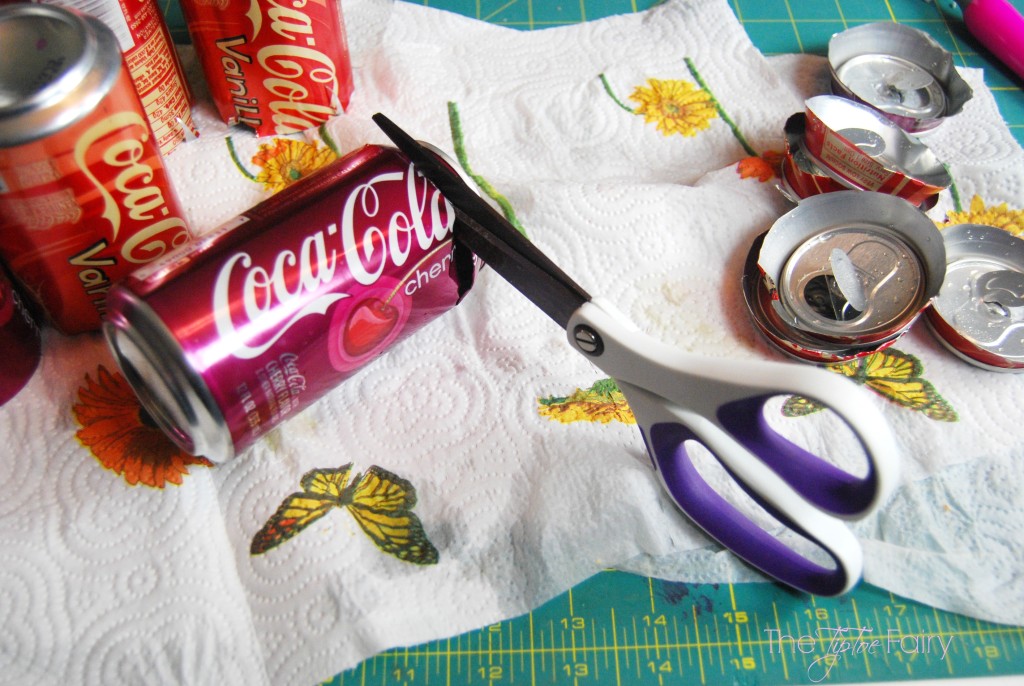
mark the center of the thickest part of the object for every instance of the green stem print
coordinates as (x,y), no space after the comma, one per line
(325,136)
(238,163)
(678,106)
(611,94)
(721,110)
(458,140)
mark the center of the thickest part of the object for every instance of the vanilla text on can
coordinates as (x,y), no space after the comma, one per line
(275,67)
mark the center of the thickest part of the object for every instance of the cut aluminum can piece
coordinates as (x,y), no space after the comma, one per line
(895,251)
(900,71)
(979,311)
(856,144)
(780,332)
(803,175)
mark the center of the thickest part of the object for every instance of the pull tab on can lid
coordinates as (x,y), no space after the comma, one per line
(826,282)
(979,312)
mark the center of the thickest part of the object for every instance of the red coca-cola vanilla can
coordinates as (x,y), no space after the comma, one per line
(275,67)
(84,197)
(227,338)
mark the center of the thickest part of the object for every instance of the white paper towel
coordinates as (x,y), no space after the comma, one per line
(105,582)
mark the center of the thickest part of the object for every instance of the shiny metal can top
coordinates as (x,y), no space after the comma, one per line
(857,281)
(979,311)
(900,71)
(58,65)
(852,267)
(855,143)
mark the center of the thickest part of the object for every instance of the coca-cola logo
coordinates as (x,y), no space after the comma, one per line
(385,222)
(117,158)
(293,63)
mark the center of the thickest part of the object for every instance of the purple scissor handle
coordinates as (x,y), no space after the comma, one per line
(679,399)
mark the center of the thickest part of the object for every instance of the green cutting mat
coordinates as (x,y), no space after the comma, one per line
(620,629)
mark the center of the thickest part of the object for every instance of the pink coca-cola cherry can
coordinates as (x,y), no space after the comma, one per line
(228,337)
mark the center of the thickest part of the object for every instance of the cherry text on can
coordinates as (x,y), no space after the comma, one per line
(275,67)
(84,196)
(229,337)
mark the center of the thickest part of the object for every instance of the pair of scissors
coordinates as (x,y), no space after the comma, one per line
(678,397)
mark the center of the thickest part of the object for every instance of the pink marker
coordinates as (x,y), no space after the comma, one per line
(999,27)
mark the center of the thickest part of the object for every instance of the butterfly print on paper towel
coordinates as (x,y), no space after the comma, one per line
(379,501)
(895,375)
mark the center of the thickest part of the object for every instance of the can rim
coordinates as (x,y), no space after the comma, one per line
(794,342)
(910,44)
(835,211)
(153,363)
(92,73)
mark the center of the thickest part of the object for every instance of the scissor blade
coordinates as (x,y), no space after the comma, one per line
(538,284)
(490,236)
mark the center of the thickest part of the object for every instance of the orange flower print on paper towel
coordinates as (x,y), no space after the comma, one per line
(122,436)
(764,168)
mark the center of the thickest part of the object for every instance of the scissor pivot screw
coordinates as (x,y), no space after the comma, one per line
(588,340)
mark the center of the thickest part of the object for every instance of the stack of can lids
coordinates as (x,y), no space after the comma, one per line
(857,262)
(843,274)
(890,82)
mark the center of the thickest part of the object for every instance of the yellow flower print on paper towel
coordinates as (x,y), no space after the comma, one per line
(999,216)
(603,403)
(284,161)
(685,107)
(674,106)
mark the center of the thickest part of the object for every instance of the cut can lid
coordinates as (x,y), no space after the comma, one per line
(844,273)
(979,311)
(859,146)
(900,71)
(803,175)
